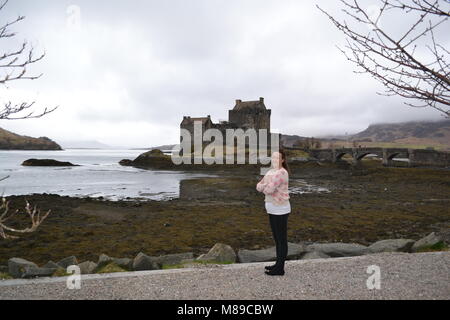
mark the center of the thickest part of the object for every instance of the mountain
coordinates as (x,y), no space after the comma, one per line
(13,141)
(84,144)
(414,132)
(163,147)
(288,140)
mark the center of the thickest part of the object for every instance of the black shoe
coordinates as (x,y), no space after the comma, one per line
(269,267)
(275,272)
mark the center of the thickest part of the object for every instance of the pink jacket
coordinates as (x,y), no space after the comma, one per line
(275,186)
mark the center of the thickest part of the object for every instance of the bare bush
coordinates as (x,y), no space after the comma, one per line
(5,214)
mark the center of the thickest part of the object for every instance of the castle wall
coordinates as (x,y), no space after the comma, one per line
(257,119)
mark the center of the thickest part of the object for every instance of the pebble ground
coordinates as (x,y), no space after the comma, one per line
(402,276)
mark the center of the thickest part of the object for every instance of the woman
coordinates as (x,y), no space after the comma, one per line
(275,187)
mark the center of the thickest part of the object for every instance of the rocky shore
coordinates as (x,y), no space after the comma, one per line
(221,254)
(362,206)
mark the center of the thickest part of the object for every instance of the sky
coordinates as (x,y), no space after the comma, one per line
(124,73)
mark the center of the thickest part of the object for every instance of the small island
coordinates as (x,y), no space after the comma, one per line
(47,163)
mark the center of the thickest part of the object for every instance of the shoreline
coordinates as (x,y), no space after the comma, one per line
(363,206)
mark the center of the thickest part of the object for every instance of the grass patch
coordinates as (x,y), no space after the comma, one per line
(5,276)
(60,272)
(440,246)
(110,268)
(172,266)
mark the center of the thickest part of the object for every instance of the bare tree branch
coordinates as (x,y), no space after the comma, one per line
(33,213)
(14,65)
(391,60)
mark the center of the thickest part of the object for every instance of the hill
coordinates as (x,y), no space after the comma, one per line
(415,133)
(412,134)
(13,141)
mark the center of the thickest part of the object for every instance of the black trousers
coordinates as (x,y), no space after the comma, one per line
(278,223)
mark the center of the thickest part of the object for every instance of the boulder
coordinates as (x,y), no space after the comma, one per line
(391,245)
(295,250)
(103,260)
(154,158)
(427,241)
(314,255)
(176,258)
(338,249)
(220,252)
(16,266)
(145,262)
(34,272)
(69,261)
(87,267)
(124,263)
(51,264)
(445,235)
(111,267)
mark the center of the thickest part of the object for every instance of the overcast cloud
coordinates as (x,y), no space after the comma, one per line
(124,73)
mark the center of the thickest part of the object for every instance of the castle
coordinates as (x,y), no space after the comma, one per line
(245,115)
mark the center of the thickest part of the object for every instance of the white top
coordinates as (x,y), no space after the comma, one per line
(274,209)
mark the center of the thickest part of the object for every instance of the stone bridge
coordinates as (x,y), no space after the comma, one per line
(415,157)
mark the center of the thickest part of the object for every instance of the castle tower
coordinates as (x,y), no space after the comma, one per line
(250,114)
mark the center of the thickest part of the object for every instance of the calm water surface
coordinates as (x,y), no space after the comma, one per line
(99,174)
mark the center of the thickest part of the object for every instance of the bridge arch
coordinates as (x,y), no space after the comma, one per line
(339,154)
(362,155)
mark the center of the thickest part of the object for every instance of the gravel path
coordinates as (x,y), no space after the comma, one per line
(403,276)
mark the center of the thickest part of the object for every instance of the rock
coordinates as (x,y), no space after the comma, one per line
(427,241)
(338,249)
(126,162)
(16,266)
(445,235)
(269,254)
(220,252)
(103,260)
(111,268)
(33,272)
(69,261)
(314,255)
(176,258)
(145,262)
(87,267)
(47,163)
(154,158)
(391,245)
(124,263)
(51,264)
